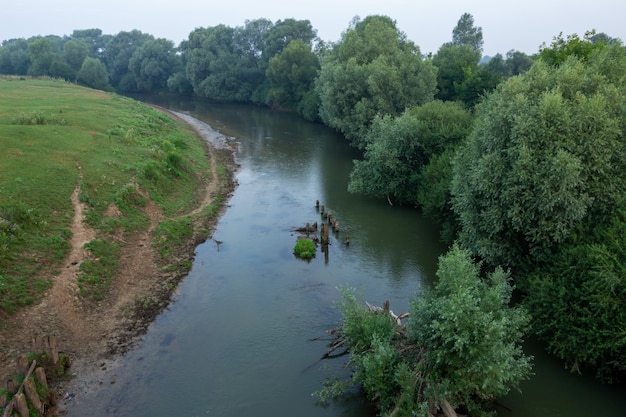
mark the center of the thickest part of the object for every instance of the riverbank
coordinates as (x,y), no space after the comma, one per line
(94,335)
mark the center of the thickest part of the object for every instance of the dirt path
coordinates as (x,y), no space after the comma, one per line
(95,335)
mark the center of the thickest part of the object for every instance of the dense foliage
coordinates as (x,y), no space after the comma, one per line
(539,186)
(374,70)
(462,345)
(398,150)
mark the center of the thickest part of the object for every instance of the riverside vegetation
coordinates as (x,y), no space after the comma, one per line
(147,187)
(520,158)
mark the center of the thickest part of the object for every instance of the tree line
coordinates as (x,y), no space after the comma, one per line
(522,159)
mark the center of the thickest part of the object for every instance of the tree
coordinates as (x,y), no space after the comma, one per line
(539,186)
(455,63)
(118,52)
(152,64)
(477,83)
(518,62)
(14,57)
(291,74)
(466,34)
(578,301)
(217,66)
(398,149)
(461,347)
(41,53)
(561,48)
(279,36)
(374,70)
(93,73)
(545,154)
(470,336)
(74,53)
(93,39)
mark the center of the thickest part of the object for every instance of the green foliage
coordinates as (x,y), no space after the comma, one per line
(291,74)
(499,68)
(373,71)
(304,249)
(454,64)
(152,64)
(38,118)
(398,149)
(462,344)
(465,33)
(560,49)
(93,73)
(578,301)
(538,186)
(118,53)
(471,337)
(545,154)
(41,54)
(360,326)
(219,67)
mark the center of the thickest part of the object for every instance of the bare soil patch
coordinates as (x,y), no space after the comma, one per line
(94,335)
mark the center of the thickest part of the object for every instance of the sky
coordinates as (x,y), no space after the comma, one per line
(507,25)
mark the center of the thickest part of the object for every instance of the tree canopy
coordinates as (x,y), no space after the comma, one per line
(461,347)
(373,70)
(466,33)
(398,149)
(539,186)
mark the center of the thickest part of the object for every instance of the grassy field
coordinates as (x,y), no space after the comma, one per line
(55,136)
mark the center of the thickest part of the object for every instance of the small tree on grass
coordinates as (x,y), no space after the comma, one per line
(460,350)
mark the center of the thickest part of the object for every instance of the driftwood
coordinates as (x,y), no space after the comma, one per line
(333,348)
(385,309)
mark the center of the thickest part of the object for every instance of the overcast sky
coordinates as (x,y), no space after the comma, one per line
(519,25)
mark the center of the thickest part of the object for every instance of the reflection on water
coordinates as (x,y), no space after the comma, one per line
(236,341)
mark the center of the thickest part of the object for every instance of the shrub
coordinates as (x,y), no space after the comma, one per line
(305,249)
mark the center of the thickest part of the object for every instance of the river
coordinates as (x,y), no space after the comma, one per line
(236,341)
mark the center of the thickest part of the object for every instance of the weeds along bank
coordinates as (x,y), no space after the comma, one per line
(133,170)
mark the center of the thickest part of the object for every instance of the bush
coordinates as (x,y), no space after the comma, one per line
(462,346)
(305,249)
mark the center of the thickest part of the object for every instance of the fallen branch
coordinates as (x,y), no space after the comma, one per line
(333,348)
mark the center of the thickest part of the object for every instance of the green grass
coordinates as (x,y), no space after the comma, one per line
(55,136)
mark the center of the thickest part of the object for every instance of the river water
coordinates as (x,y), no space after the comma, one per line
(236,341)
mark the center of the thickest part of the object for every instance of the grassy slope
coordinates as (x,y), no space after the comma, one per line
(55,136)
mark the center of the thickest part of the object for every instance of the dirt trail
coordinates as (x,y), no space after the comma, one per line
(94,335)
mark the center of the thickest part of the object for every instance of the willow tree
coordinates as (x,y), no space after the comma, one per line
(373,70)
(539,182)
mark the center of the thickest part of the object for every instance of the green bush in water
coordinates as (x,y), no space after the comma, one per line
(305,249)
